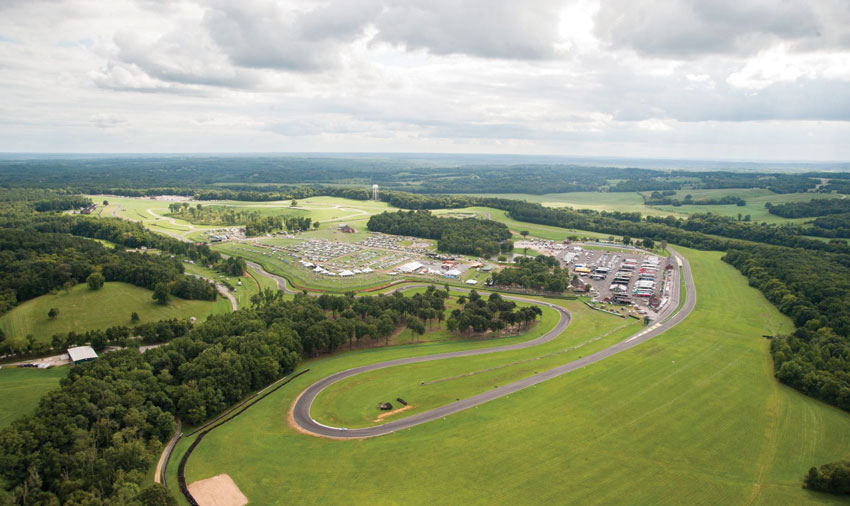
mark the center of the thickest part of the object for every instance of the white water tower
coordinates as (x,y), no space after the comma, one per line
(374,192)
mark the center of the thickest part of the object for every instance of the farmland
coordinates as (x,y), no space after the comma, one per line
(692,416)
(82,309)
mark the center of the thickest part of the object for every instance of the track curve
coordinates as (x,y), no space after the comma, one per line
(668,318)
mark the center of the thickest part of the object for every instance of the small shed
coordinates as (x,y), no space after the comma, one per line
(80,354)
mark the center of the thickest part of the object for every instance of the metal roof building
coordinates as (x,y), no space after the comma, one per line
(81,354)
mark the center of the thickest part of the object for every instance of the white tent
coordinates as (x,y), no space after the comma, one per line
(471,282)
(410,267)
(346,273)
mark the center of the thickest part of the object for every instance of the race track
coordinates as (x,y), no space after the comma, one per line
(665,320)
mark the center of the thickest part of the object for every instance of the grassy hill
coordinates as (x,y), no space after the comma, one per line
(21,389)
(692,416)
(82,309)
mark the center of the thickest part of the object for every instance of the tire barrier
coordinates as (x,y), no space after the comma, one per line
(181,468)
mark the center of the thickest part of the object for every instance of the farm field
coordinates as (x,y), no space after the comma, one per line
(21,389)
(692,416)
(82,309)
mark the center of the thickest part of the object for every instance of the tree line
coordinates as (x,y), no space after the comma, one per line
(666,199)
(541,273)
(494,314)
(810,209)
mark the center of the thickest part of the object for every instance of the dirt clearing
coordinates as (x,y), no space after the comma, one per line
(217,491)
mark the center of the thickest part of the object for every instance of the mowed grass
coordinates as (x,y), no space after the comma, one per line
(693,416)
(21,390)
(82,309)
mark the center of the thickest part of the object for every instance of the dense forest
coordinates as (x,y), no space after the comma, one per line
(469,236)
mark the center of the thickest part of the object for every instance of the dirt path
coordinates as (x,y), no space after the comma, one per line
(226,292)
(166,453)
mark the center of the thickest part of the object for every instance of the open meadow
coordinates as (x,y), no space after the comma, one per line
(692,416)
(82,309)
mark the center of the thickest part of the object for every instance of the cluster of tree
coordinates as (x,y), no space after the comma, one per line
(833,478)
(834,225)
(659,199)
(495,314)
(810,209)
(192,288)
(62,203)
(211,215)
(470,236)
(123,232)
(541,273)
(232,266)
(271,224)
(406,200)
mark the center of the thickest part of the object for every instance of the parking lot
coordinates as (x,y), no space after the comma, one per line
(631,280)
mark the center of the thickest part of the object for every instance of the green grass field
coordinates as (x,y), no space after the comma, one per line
(82,309)
(692,416)
(21,390)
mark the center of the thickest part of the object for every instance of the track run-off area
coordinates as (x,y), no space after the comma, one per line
(668,318)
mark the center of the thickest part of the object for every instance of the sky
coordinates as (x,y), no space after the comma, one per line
(688,79)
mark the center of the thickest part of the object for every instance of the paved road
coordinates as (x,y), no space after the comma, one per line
(664,321)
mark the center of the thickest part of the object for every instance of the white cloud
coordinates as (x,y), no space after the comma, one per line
(585,77)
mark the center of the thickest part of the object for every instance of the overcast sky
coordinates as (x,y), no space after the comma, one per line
(740,79)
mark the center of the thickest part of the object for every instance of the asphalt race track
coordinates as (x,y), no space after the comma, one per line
(664,321)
